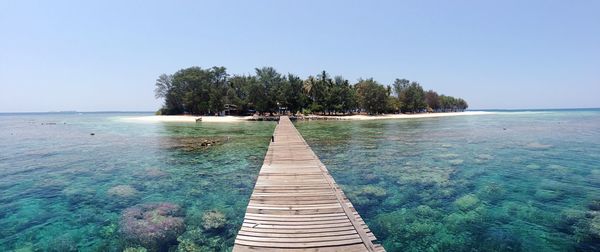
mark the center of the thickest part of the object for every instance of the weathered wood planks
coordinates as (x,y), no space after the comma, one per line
(297,206)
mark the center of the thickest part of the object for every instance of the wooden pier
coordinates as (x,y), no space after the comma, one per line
(297,206)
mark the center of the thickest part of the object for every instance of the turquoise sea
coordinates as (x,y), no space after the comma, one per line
(510,181)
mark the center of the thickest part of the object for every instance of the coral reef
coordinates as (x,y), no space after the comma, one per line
(499,239)
(187,245)
(195,239)
(492,192)
(594,205)
(595,225)
(123,191)
(213,220)
(417,229)
(152,225)
(135,249)
(547,195)
(569,217)
(77,195)
(366,196)
(456,161)
(372,191)
(424,175)
(466,202)
(154,173)
(63,243)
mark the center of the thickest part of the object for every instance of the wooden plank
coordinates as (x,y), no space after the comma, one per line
(347,248)
(295,211)
(291,202)
(296,223)
(298,235)
(296,216)
(292,220)
(300,244)
(298,239)
(294,194)
(297,231)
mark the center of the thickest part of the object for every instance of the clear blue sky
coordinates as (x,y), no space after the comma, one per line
(106,55)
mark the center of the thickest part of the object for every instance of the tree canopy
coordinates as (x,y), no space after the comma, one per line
(213,91)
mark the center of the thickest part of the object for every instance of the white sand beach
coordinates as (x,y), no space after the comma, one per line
(185,118)
(398,116)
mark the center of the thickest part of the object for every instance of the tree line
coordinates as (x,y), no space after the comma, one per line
(212,91)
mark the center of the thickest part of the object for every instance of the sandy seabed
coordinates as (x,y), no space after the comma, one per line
(185,118)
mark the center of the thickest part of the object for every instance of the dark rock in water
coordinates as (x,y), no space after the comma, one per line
(498,239)
(62,243)
(79,196)
(192,143)
(208,143)
(594,205)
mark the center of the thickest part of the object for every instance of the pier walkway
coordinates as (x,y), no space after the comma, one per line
(297,206)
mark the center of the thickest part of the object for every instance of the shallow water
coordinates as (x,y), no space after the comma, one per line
(509,181)
(503,182)
(56,178)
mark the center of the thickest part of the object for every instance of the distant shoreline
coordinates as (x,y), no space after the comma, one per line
(396,116)
(188,118)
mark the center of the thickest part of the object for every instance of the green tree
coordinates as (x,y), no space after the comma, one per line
(190,84)
(218,87)
(269,84)
(462,104)
(293,97)
(413,98)
(433,100)
(448,103)
(193,90)
(200,91)
(316,89)
(372,96)
(238,92)
(163,85)
(164,89)
(343,96)
(399,88)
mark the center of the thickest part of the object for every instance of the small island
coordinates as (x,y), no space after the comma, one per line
(214,92)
